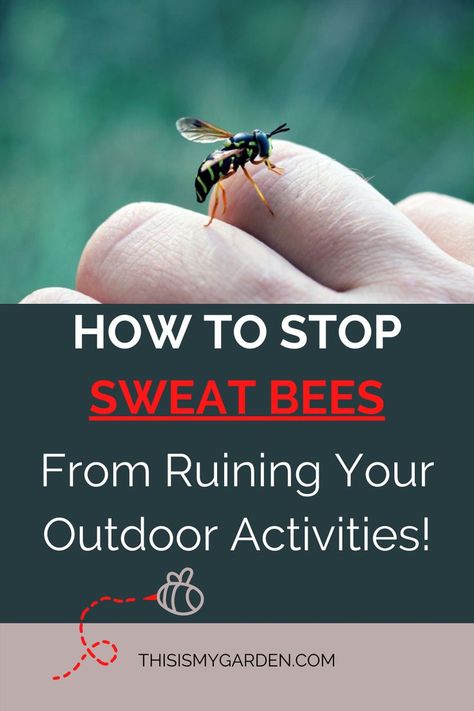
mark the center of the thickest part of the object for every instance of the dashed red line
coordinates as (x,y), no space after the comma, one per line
(89,653)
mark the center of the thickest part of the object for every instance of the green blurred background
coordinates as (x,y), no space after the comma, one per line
(90,91)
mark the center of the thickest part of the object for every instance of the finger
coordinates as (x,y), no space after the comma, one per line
(329,222)
(57,295)
(150,252)
(449,222)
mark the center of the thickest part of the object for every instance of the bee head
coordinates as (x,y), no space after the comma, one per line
(264,140)
(264,143)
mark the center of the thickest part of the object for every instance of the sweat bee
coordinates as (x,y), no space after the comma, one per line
(238,149)
(178,595)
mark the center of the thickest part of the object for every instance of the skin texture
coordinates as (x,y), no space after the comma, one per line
(333,239)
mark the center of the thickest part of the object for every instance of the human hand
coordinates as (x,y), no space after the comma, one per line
(333,239)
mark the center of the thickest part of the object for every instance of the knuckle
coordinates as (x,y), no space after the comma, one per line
(420,201)
(127,218)
(116,228)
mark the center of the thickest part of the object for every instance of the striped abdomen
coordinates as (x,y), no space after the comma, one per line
(205,179)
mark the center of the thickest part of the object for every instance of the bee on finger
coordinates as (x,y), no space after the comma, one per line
(238,149)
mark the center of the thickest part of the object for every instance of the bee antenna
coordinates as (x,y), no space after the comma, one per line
(279,129)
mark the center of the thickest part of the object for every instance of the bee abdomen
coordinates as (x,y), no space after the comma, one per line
(202,185)
(205,179)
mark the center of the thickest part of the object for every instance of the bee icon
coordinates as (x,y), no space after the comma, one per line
(178,596)
(238,149)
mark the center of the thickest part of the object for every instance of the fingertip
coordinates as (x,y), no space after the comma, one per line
(57,295)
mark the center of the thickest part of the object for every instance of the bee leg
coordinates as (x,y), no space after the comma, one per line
(257,162)
(216,199)
(259,192)
(224,196)
(214,207)
(274,168)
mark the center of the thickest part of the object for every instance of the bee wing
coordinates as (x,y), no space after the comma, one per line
(200,131)
(220,155)
(186,574)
